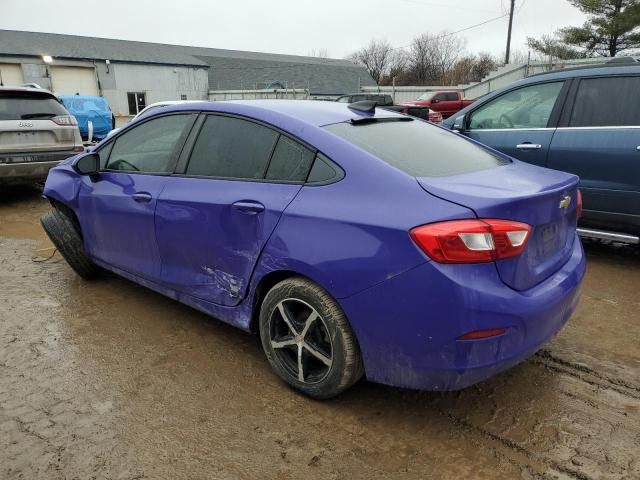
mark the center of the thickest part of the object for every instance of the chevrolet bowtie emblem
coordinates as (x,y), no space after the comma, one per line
(565,202)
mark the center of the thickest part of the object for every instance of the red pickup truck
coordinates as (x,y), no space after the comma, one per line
(447,102)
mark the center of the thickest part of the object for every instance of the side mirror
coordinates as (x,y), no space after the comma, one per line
(88,164)
(435,100)
(459,123)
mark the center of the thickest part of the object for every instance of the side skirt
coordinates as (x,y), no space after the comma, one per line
(238,316)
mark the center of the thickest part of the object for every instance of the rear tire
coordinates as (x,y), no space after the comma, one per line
(307,339)
(62,231)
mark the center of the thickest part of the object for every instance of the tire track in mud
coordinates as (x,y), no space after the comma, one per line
(497,444)
(604,398)
(547,359)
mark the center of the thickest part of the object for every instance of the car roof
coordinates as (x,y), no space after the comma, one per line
(25,89)
(313,112)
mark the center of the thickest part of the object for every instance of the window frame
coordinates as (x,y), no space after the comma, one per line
(554,118)
(135,99)
(183,162)
(175,154)
(570,103)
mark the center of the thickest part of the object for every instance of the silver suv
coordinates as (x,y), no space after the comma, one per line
(36,133)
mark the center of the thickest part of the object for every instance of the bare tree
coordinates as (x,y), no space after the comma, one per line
(319,53)
(377,58)
(432,57)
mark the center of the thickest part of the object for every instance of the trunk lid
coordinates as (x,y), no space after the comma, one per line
(35,136)
(545,199)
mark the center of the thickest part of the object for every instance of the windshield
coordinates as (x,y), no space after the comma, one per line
(418,148)
(426,96)
(28,105)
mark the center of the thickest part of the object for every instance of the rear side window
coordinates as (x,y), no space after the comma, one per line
(602,102)
(28,105)
(151,147)
(230,147)
(418,148)
(290,161)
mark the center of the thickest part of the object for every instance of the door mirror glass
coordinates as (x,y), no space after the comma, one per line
(458,123)
(435,100)
(88,164)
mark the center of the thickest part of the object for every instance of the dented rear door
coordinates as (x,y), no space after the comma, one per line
(210,233)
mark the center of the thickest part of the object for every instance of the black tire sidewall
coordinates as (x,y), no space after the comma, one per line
(345,366)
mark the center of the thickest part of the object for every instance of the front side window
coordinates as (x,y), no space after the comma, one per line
(230,147)
(527,107)
(344,99)
(451,97)
(151,147)
(290,161)
(418,148)
(607,102)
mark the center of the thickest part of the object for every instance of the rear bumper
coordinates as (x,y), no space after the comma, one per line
(408,327)
(38,166)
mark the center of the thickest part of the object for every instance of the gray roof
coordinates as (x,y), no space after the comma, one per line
(228,69)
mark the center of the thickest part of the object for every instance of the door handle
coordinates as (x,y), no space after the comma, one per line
(249,207)
(142,197)
(529,146)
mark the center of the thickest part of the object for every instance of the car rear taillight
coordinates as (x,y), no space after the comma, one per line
(65,120)
(472,241)
(579,205)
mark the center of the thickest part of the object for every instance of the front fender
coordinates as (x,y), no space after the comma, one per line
(63,184)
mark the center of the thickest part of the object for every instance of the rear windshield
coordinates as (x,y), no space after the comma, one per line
(417,148)
(27,105)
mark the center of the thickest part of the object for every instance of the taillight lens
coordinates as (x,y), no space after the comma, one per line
(65,120)
(472,241)
(579,205)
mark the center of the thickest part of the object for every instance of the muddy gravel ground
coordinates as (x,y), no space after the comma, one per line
(106,379)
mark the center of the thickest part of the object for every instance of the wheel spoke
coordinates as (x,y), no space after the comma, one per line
(285,317)
(319,355)
(283,343)
(307,324)
(300,369)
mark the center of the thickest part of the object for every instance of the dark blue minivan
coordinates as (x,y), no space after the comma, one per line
(584,121)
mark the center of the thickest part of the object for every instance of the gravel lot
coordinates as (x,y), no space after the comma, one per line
(106,379)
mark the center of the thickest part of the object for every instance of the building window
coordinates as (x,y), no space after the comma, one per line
(137,102)
(183,97)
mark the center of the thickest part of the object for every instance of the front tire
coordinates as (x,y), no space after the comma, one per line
(65,236)
(307,339)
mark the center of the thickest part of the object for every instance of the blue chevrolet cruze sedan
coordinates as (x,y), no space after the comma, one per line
(355,241)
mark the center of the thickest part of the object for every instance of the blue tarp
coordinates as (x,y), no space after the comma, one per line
(94,109)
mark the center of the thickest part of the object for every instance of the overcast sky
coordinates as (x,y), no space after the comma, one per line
(289,26)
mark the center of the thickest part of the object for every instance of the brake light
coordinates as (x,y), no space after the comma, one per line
(472,241)
(65,120)
(579,205)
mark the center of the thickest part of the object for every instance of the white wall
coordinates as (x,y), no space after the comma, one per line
(157,81)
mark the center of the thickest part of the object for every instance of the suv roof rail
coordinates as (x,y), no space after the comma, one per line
(589,67)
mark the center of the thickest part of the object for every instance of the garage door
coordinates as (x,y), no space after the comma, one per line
(72,80)
(10,74)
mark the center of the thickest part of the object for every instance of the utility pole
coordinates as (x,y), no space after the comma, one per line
(513,4)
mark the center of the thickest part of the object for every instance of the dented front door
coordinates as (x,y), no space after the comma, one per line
(210,233)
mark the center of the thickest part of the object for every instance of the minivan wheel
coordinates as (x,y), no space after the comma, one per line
(66,238)
(307,339)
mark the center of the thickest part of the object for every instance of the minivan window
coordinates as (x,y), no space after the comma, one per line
(526,107)
(418,148)
(290,161)
(229,147)
(29,105)
(150,147)
(610,101)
